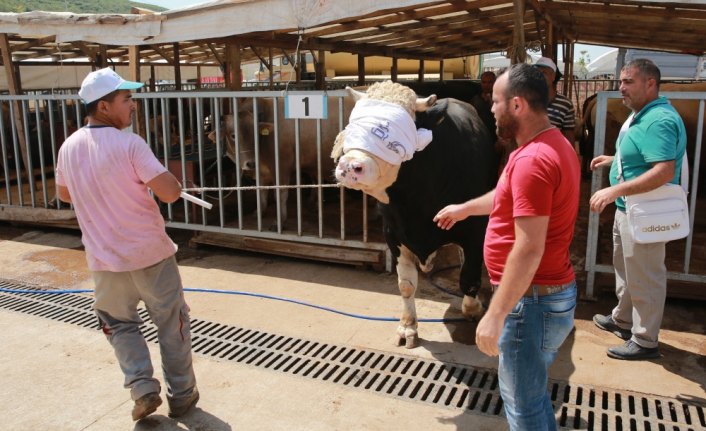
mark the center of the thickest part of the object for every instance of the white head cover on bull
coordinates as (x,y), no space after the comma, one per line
(385,130)
(381,135)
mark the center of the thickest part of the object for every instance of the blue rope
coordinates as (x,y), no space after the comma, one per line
(257,295)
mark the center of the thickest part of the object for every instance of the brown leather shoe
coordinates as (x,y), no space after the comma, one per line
(146,405)
(179,408)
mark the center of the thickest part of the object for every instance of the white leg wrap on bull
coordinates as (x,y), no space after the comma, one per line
(472,308)
(407,279)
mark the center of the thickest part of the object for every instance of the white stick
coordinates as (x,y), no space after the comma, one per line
(196,200)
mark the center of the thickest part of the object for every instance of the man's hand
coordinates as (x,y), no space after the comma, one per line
(601,161)
(488,333)
(447,217)
(602,198)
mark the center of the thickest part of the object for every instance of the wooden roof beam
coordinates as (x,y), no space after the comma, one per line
(34,43)
(87,50)
(413,15)
(645,12)
(455,23)
(163,53)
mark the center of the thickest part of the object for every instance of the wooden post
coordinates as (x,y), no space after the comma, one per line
(153,80)
(321,71)
(177,67)
(393,72)
(272,69)
(441,71)
(198,76)
(233,63)
(548,48)
(361,69)
(420,73)
(297,66)
(517,51)
(13,79)
(134,64)
(102,57)
(568,68)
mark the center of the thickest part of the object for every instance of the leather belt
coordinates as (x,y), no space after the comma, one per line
(542,289)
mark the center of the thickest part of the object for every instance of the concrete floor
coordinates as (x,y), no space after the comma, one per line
(58,376)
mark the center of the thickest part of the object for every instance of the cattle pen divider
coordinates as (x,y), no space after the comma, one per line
(598,181)
(325,221)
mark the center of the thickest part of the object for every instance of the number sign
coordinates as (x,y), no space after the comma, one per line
(305,106)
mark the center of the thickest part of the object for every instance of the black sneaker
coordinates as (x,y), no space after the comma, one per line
(179,408)
(146,405)
(607,323)
(631,351)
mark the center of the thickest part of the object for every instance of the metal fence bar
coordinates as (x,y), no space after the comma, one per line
(694,186)
(17,153)
(5,158)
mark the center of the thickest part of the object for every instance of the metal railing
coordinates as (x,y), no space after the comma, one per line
(177,126)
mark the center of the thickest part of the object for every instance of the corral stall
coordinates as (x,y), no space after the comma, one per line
(684,258)
(263,209)
(32,127)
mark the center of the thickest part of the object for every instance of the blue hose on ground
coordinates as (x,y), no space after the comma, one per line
(256,295)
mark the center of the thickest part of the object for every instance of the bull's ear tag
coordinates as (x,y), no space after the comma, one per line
(264,131)
(308,105)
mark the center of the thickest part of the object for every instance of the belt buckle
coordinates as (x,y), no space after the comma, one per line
(556,288)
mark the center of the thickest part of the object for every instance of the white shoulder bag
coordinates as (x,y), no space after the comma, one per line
(659,215)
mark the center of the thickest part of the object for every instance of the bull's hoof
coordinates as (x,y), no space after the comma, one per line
(409,342)
(407,337)
(472,308)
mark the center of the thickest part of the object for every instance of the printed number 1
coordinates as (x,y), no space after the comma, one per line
(306,106)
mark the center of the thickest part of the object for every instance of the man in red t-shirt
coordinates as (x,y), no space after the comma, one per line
(532,214)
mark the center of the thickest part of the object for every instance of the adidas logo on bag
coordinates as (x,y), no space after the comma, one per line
(660,228)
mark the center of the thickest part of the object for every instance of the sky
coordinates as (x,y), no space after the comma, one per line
(593,51)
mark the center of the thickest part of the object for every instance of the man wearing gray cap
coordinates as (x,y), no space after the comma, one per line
(105,173)
(560,110)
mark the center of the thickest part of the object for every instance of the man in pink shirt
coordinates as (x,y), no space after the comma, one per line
(105,173)
(532,214)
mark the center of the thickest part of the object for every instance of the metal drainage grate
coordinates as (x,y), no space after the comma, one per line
(443,384)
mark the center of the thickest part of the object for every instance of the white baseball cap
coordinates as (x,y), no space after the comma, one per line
(548,62)
(102,82)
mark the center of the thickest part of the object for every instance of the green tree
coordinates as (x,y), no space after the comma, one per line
(582,62)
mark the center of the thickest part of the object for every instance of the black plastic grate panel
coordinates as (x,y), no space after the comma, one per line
(449,385)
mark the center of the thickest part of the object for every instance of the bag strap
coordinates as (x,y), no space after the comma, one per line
(683,175)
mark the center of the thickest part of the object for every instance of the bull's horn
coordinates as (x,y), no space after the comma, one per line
(355,94)
(421,105)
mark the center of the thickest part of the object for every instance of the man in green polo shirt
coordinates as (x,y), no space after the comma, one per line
(651,144)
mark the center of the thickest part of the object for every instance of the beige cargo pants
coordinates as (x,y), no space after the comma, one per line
(640,284)
(159,287)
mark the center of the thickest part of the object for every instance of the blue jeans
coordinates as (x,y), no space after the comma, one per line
(533,332)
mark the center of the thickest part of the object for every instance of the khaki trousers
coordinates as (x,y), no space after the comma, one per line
(640,284)
(159,286)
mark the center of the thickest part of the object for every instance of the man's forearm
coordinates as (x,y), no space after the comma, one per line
(481,205)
